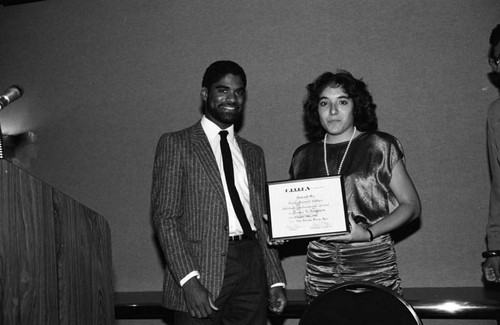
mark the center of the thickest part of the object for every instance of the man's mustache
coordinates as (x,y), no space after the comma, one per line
(230,105)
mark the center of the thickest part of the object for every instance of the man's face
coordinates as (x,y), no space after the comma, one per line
(494,75)
(225,100)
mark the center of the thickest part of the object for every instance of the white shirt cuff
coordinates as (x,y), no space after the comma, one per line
(279,284)
(189,276)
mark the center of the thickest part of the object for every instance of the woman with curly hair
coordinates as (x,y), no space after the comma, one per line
(341,124)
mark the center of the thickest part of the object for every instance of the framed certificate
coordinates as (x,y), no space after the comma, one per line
(312,207)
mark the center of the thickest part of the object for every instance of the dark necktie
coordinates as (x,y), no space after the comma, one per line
(233,193)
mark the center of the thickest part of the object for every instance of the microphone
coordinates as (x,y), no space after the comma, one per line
(11,94)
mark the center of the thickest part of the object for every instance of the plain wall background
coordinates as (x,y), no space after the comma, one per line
(104,80)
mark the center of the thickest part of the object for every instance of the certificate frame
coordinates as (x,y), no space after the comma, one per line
(305,208)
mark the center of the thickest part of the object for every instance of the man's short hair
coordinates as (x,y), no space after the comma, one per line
(219,69)
(494,38)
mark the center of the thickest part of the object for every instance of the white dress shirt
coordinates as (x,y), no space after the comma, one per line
(240,175)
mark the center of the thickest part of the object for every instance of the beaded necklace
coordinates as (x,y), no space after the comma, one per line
(343,157)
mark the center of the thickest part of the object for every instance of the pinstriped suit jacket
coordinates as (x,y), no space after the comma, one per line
(190,213)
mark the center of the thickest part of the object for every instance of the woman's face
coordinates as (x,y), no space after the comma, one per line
(335,110)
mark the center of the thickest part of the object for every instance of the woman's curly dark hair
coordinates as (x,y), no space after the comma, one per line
(365,118)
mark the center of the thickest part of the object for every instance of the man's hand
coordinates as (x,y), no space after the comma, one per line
(198,299)
(277,299)
(491,269)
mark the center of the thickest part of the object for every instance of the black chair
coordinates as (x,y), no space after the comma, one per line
(359,303)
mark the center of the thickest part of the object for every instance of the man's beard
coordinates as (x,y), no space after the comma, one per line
(223,116)
(494,78)
(228,117)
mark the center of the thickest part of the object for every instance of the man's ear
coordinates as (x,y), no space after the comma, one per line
(204,94)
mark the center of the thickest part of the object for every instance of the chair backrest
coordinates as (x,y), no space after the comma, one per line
(356,303)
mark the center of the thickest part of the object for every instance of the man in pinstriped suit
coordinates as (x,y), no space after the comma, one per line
(215,274)
(491,266)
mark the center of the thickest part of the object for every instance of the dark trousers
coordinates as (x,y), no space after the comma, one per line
(244,293)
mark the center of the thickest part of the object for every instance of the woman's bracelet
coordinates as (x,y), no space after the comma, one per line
(491,253)
(371,236)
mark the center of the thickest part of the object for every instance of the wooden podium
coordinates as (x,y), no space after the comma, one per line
(55,255)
